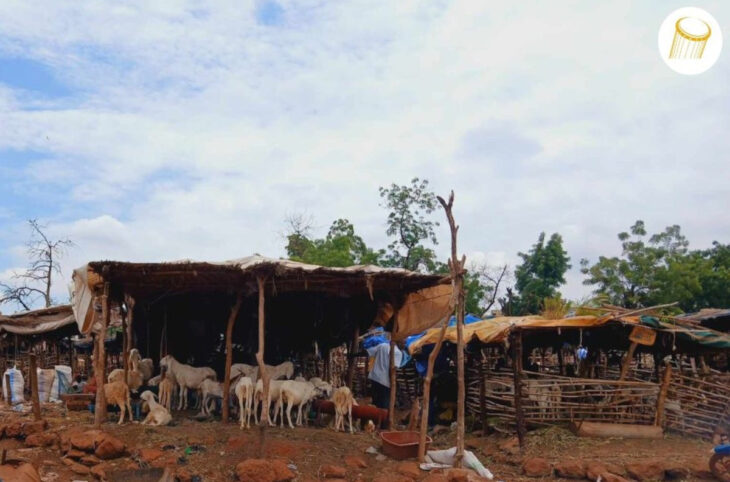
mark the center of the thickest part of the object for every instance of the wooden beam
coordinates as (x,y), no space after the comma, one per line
(34,387)
(659,418)
(482,394)
(391,371)
(516,343)
(125,347)
(229,356)
(100,359)
(425,405)
(261,280)
(627,361)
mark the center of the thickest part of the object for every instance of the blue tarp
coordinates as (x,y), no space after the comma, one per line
(422,358)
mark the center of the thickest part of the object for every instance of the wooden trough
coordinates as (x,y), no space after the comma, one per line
(364,412)
(625,430)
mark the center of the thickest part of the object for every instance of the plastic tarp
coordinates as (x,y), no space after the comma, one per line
(423,309)
(39,321)
(700,335)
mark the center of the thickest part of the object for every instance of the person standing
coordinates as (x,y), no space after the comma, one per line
(379,375)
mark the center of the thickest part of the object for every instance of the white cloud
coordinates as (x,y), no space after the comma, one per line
(193,129)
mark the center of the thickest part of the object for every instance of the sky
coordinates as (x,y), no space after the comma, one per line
(163,130)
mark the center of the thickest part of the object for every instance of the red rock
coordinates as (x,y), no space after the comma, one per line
(148,455)
(85,441)
(435,478)
(647,470)
(43,439)
(108,447)
(67,461)
(90,460)
(511,446)
(677,472)
(570,469)
(463,475)
(37,426)
(14,430)
(168,460)
(21,473)
(332,472)
(409,469)
(355,462)
(99,471)
(183,475)
(609,477)
(594,469)
(75,454)
(263,470)
(700,468)
(79,468)
(392,478)
(537,467)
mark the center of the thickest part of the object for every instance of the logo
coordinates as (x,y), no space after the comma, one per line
(690,40)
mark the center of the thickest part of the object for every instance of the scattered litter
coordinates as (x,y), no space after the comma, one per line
(182,460)
(371,450)
(381,457)
(292,467)
(168,447)
(446,458)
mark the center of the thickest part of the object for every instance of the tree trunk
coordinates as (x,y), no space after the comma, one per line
(262,367)
(34,387)
(658,419)
(425,406)
(351,356)
(627,361)
(229,357)
(100,360)
(516,344)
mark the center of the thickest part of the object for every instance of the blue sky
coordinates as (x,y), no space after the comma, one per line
(191,129)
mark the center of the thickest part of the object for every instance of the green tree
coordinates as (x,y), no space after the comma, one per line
(341,247)
(408,207)
(482,284)
(540,274)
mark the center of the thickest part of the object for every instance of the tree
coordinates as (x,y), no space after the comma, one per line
(35,282)
(540,275)
(482,283)
(341,247)
(407,221)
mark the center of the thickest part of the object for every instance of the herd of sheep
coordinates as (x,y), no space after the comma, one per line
(177,379)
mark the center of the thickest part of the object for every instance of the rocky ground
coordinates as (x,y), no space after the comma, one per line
(66,448)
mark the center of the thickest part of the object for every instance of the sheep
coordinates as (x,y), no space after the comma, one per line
(187,377)
(241,369)
(343,401)
(539,394)
(274,392)
(134,377)
(295,393)
(244,391)
(154,381)
(210,390)
(117,393)
(159,415)
(285,370)
(167,390)
(145,365)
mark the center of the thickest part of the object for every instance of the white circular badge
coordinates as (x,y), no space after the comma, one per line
(690,40)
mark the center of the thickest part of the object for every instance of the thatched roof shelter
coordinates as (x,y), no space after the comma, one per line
(58,320)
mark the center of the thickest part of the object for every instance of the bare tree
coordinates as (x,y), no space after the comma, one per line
(36,281)
(491,278)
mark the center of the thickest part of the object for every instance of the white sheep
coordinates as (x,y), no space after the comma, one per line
(244,370)
(158,414)
(295,393)
(274,391)
(282,370)
(134,377)
(117,393)
(186,376)
(145,365)
(244,391)
(343,401)
(210,390)
(167,390)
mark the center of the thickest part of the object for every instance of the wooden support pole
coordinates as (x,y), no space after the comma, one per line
(229,357)
(516,342)
(34,387)
(666,380)
(351,356)
(8,392)
(627,361)
(391,371)
(456,266)
(125,347)
(100,359)
(425,405)
(482,395)
(262,366)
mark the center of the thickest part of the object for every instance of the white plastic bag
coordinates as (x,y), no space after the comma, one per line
(46,378)
(446,458)
(17,385)
(61,382)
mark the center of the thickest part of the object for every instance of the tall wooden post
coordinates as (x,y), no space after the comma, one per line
(516,341)
(263,373)
(229,356)
(482,395)
(100,359)
(457,281)
(125,346)
(425,405)
(34,387)
(351,355)
(391,371)
(658,419)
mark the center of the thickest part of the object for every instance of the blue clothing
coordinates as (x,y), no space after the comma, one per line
(381,365)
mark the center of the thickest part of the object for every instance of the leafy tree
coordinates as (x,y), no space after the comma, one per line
(540,275)
(408,208)
(35,283)
(341,247)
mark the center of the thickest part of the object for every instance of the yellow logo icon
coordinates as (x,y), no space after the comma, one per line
(690,40)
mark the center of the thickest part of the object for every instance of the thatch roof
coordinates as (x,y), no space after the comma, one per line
(37,322)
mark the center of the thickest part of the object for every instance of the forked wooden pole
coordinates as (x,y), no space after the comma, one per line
(457,280)
(229,356)
(261,280)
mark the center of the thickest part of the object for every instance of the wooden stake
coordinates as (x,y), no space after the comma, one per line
(351,356)
(391,404)
(34,387)
(125,347)
(482,396)
(425,406)
(457,280)
(8,393)
(627,361)
(517,371)
(260,356)
(659,418)
(229,356)
(100,359)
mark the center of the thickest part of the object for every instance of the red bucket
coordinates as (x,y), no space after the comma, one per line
(402,445)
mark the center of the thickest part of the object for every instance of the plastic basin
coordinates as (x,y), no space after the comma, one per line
(402,445)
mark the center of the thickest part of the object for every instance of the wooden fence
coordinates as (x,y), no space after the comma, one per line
(698,406)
